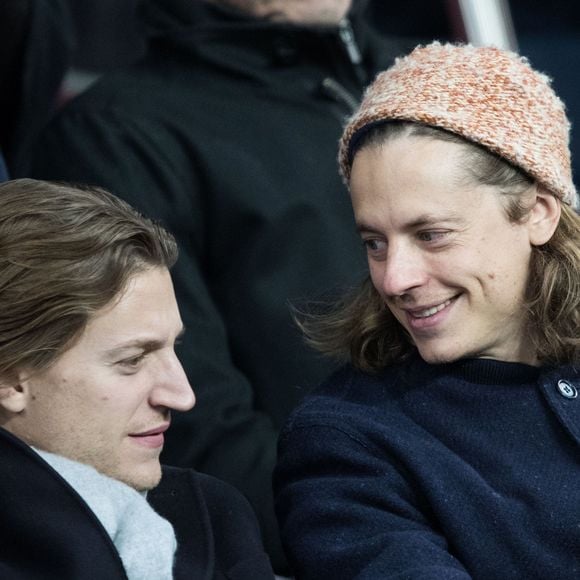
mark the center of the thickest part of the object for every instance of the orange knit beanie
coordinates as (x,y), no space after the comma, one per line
(487,95)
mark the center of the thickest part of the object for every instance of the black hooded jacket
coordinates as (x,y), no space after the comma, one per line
(227,132)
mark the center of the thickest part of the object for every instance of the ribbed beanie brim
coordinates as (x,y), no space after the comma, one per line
(487,95)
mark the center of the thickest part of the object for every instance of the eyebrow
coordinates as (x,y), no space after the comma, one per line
(146,344)
(423,220)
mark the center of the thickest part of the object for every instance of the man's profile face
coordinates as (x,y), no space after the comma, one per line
(107,400)
(442,253)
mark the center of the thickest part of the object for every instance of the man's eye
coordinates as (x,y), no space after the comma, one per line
(374,246)
(133,362)
(431,236)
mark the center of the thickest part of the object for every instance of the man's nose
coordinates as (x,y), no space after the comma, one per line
(404,269)
(173,390)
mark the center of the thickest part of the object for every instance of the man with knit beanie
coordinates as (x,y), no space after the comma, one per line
(448,447)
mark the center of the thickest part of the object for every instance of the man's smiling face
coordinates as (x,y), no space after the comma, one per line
(442,253)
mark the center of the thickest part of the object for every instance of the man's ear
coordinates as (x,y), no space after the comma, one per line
(544,217)
(13,396)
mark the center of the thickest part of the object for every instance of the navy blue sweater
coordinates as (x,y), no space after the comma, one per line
(456,471)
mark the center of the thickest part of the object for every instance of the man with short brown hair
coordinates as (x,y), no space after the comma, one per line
(88,382)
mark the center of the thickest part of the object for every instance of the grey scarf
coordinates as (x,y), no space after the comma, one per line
(145,541)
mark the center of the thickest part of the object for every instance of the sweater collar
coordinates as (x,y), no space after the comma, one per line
(475,370)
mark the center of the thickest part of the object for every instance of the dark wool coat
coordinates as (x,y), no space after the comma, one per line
(48,532)
(227,131)
(445,472)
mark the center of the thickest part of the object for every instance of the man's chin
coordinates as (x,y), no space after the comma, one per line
(141,479)
(437,356)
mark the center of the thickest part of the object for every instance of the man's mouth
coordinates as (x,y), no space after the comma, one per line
(152,437)
(431,311)
(429,318)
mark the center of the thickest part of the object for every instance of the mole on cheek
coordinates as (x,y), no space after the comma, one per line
(491,276)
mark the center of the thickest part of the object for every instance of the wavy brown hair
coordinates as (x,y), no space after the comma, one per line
(360,328)
(65,253)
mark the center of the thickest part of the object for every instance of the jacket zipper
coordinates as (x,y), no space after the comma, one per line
(331,87)
(347,37)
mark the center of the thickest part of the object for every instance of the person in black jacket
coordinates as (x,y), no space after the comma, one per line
(449,447)
(226,131)
(88,381)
